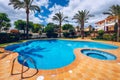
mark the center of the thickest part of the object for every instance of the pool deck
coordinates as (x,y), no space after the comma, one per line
(83,68)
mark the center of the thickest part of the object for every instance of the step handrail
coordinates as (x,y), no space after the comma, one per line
(22,70)
(13,66)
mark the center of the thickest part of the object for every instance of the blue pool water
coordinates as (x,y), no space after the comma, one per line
(52,54)
(98,54)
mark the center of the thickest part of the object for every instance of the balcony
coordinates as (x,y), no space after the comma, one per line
(109,24)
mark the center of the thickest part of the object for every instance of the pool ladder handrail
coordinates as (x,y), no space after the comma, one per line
(22,70)
(13,66)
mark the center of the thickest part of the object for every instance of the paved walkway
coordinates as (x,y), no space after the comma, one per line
(83,68)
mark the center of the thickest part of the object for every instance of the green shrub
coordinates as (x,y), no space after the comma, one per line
(55,35)
(114,37)
(100,33)
(51,35)
(30,35)
(87,33)
(49,29)
(48,35)
(23,36)
(67,27)
(8,37)
(107,37)
(66,34)
(72,33)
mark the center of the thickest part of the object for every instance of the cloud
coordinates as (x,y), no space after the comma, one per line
(44,3)
(42,11)
(96,7)
(15,14)
(56,8)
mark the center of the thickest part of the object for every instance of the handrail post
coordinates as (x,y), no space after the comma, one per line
(22,70)
(25,60)
(12,66)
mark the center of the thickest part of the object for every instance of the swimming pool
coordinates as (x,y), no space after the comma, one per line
(52,54)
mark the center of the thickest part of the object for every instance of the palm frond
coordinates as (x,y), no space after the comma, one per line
(59,17)
(17,4)
(63,19)
(34,8)
(56,18)
(82,16)
(27,2)
(113,11)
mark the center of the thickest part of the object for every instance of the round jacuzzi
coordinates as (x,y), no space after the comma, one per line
(98,54)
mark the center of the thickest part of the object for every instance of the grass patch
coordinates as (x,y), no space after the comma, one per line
(5,44)
(96,39)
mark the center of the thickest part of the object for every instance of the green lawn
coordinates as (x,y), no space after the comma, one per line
(5,44)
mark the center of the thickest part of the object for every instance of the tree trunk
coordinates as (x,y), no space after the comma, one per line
(24,30)
(27,23)
(118,30)
(79,31)
(60,29)
(24,33)
(94,34)
(1,25)
(82,30)
(0,28)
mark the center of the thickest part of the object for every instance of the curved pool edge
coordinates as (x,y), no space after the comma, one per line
(75,62)
(114,52)
(73,65)
(50,71)
(110,43)
(99,68)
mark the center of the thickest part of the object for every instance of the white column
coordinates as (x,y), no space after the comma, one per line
(105,24)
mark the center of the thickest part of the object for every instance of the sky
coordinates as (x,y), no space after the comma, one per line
(68,7)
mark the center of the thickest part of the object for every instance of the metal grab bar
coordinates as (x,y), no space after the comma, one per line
(22,70)
(12,73)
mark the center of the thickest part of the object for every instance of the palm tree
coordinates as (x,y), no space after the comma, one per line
(115,11)
(27,5)
(60,18)
(82,17)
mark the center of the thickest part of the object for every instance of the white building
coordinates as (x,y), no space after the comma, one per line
(107,24)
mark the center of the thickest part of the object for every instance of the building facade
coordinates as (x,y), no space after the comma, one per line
(107,24)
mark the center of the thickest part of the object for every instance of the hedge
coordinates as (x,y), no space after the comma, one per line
(51,35)
(8,37)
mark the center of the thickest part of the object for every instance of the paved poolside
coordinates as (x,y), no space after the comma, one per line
(83,68)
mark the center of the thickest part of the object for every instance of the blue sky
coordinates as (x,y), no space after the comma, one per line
(68,7)
(45,12)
